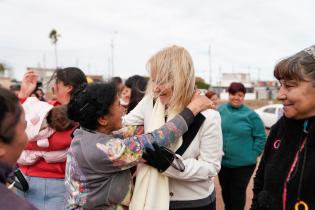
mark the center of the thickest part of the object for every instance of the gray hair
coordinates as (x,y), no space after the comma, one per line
(298,67)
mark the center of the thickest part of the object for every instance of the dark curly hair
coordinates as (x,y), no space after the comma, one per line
(89,103)
(10,113)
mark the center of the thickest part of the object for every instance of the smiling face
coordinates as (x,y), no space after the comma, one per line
(62,92)
(164,92)
(236,99)
(298,99)
(114,119)
(215,100)
(125,94)
(161,89)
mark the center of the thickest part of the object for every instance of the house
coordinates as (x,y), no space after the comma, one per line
(228,78)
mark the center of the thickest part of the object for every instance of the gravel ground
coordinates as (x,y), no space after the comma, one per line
(219,201)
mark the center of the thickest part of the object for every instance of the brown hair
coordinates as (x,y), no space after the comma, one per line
(236,87)
(210,93)
(57,119)
(298,67)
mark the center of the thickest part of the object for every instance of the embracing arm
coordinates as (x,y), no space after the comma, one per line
(132,148)
(208,163)
(127,152)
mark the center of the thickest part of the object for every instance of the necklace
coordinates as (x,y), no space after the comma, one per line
(299,203)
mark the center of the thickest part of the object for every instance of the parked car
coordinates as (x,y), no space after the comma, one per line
(270,114)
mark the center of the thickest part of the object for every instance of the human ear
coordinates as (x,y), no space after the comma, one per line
(102,121)
(69,88)
(2,150)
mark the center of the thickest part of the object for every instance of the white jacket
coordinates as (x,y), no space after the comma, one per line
(202,158)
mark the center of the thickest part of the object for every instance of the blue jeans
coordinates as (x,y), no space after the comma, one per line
(45,193)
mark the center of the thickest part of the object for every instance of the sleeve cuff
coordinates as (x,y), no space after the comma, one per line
(187,115)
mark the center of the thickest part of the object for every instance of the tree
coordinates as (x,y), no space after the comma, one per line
(201,84)
(4,68)
(54,36)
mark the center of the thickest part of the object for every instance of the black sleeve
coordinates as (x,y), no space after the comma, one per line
(188,116)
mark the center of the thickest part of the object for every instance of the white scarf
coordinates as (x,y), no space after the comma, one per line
(151,191)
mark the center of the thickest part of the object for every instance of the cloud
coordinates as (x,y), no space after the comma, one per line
(244,35)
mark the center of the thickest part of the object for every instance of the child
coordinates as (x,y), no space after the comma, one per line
(98,162)
(43,120)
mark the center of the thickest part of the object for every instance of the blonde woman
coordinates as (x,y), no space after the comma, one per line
(170,89)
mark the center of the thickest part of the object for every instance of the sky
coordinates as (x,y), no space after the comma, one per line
(247,36)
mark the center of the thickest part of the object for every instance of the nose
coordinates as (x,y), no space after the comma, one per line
(282,93)
(156,88)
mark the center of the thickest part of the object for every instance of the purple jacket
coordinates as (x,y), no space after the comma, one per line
(8,199)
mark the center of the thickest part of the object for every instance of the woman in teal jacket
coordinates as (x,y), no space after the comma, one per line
(243,141)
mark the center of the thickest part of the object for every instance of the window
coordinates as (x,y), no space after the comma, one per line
(270,110)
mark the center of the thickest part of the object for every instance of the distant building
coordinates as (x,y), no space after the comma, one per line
(228,78)
(94,78)
(5,80)
(266,89)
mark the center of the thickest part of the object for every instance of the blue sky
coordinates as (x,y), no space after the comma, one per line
(244,35)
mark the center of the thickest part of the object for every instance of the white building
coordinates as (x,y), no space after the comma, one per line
(228,78)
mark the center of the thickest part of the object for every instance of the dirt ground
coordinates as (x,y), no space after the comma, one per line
(249,191)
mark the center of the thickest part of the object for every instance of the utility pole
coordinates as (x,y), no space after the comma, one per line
(109,67)
(210,66)
(44,60)
(112,48)
(76,62)
(258,73)
(112,54)
(220,75)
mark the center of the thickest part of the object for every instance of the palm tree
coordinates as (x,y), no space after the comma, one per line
(53,35)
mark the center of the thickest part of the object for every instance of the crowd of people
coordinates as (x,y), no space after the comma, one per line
(156,143)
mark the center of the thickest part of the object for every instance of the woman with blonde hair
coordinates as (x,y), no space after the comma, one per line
(190,186)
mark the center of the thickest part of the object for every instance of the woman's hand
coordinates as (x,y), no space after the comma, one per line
(28,85)
(200,103)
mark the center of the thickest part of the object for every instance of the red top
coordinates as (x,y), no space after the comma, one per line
(60,140)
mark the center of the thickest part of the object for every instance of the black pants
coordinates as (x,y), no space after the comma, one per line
(233,183)
(211,206)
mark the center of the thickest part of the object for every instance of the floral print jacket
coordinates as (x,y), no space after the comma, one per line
(98,165)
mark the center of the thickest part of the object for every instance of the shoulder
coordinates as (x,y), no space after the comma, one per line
(252,113)
(212,116)
(222,107)
(210,113)
(147,98)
